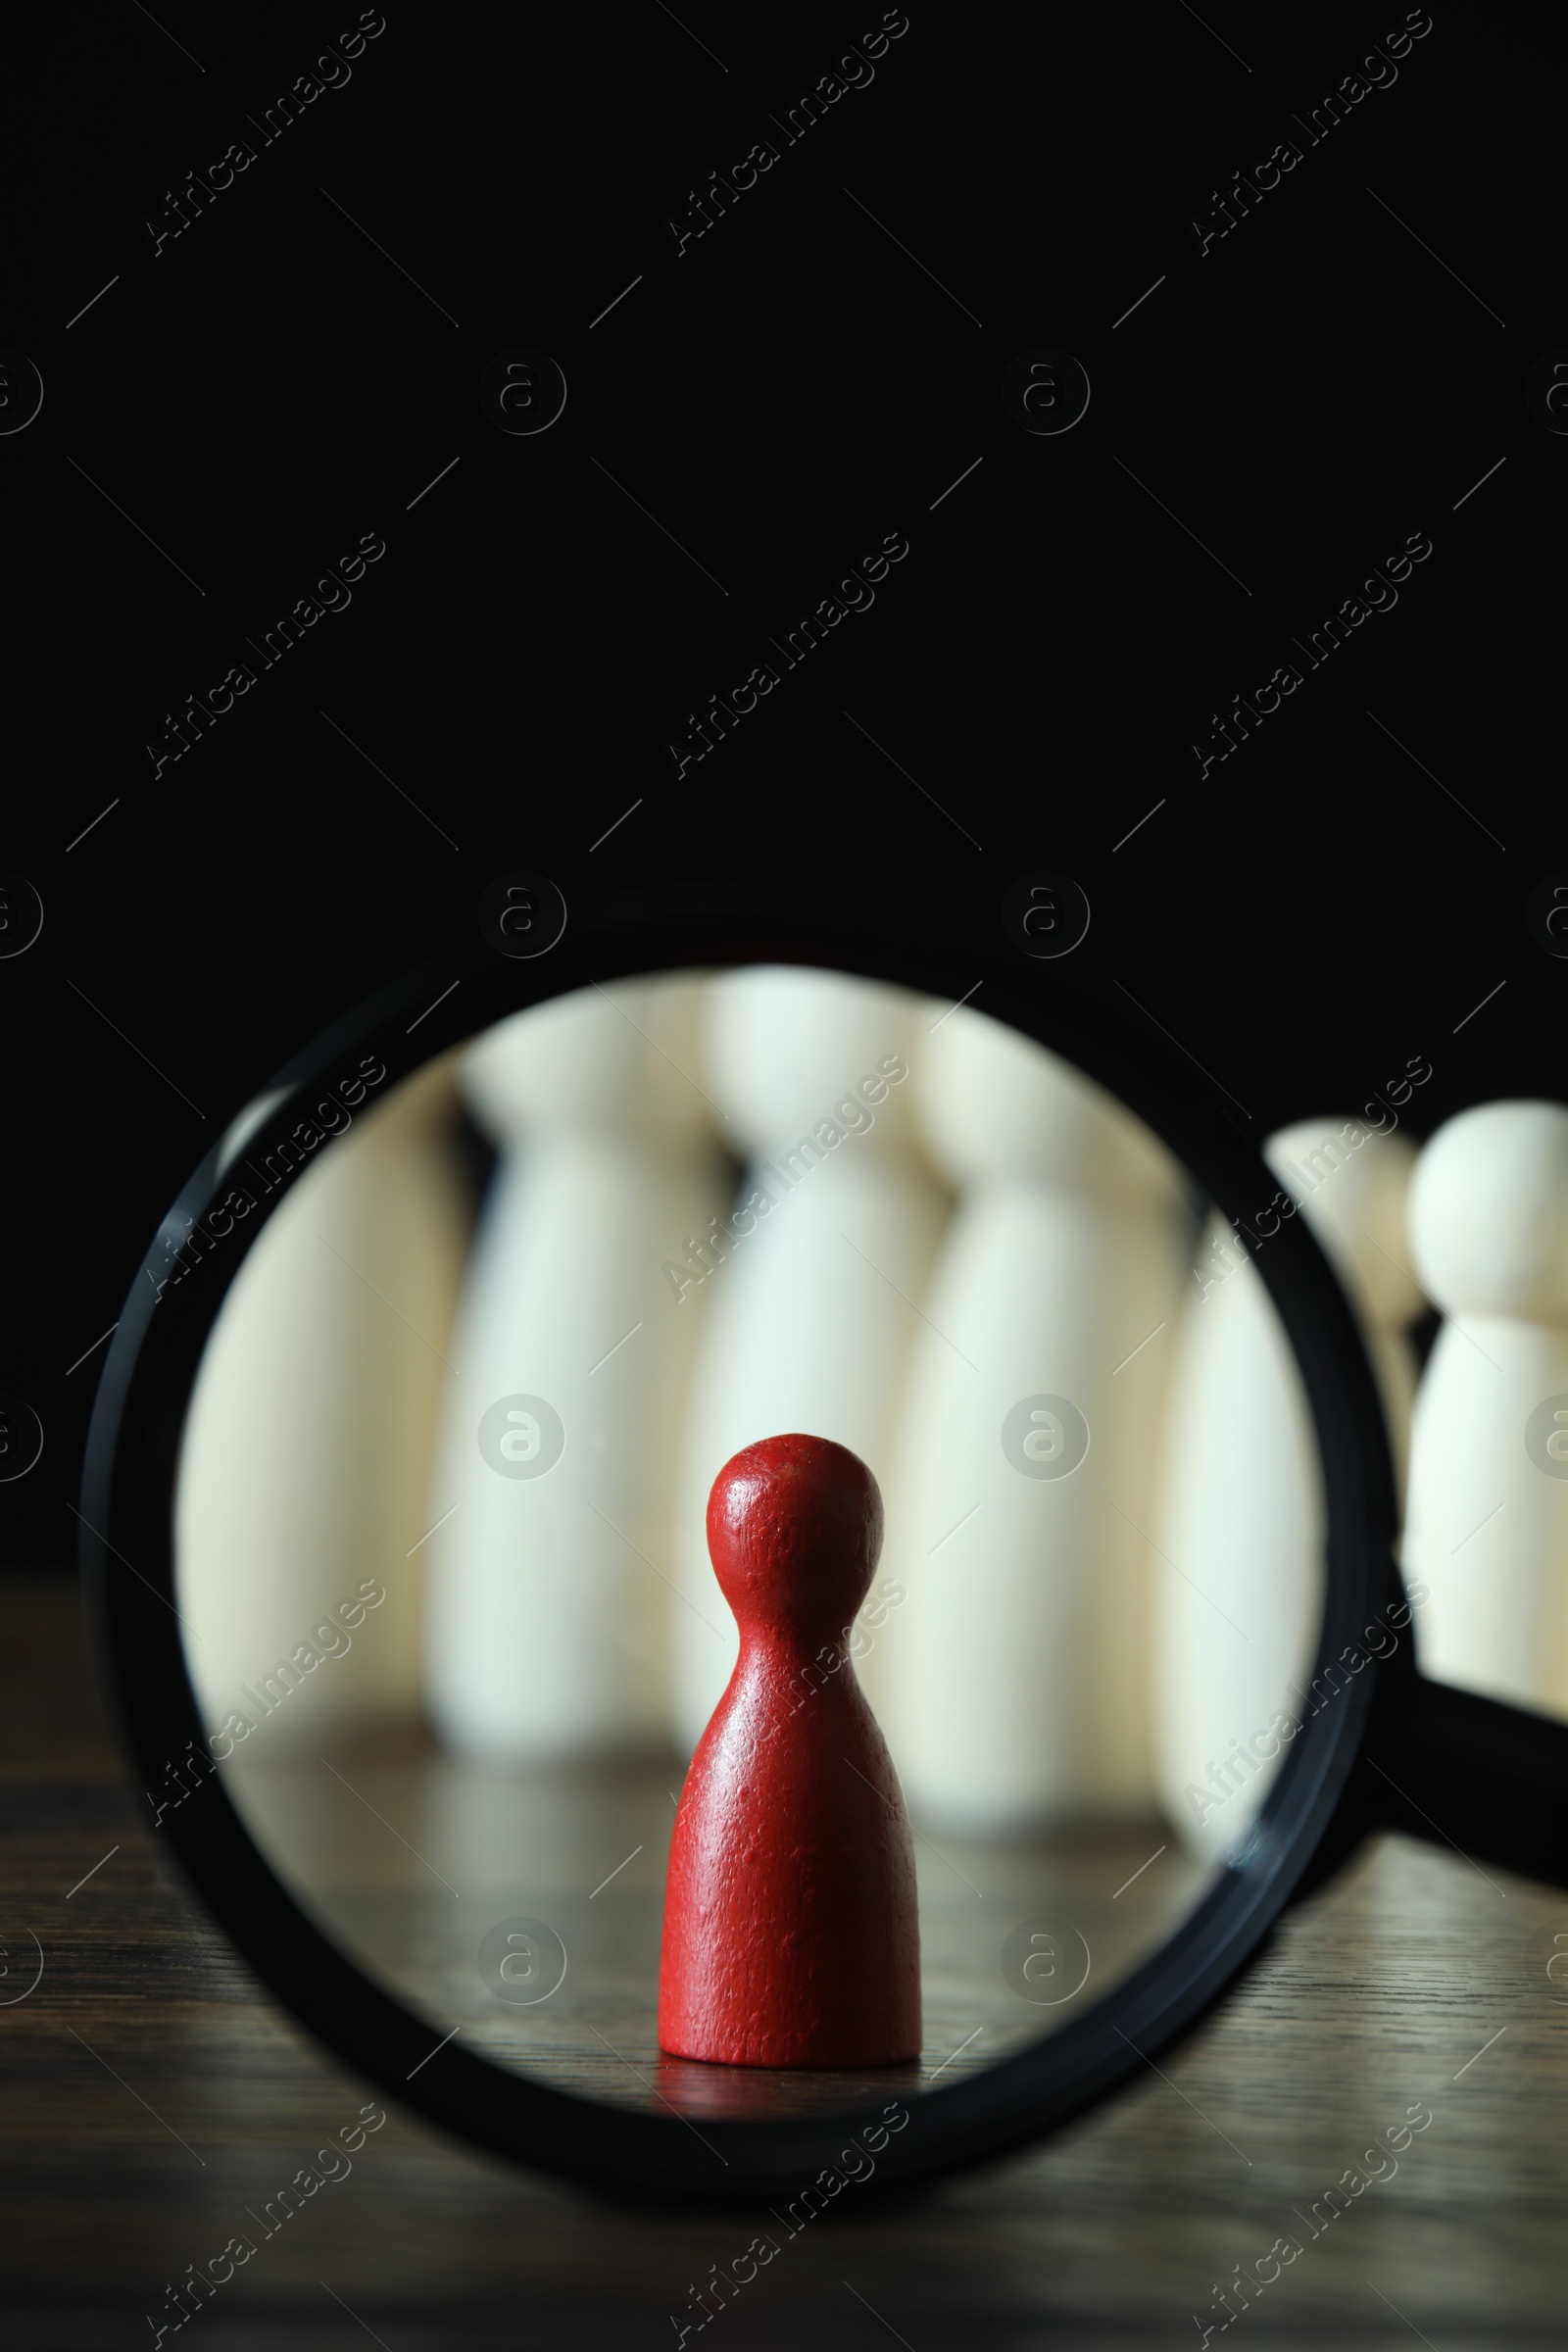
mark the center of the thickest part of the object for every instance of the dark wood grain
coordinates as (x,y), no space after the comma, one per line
(152,2096)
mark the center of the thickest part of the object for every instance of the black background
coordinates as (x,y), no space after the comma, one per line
(1313,389)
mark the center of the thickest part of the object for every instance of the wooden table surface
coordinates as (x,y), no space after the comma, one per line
(153,2094)
(412,1861)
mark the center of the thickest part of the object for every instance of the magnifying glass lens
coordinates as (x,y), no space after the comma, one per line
(883,1756)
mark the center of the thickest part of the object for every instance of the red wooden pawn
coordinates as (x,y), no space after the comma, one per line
(791,1929)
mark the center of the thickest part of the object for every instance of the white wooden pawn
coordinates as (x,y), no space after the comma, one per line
(549,1591)
(1488,1521)
(1240,1522)
(305,1466)
(1020,1662)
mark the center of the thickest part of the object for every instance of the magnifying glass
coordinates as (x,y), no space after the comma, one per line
(405,1539)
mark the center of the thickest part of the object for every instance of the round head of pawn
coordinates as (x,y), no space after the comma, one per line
(794,1530)
(1488,1213)
(789,1047)
(609,1061)
(994,1107)
(1351,1182)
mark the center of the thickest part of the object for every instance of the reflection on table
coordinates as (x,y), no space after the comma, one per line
(407,1859)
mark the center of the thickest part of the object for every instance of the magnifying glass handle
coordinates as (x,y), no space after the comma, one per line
(1486,1780)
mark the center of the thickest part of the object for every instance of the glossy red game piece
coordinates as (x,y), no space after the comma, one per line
(791,1931)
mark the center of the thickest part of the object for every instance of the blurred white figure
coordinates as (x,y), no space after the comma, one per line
(1488,1525)
(1018,1664)
(1240,1523)
(1354,1196)
(813,1309)
(550,1585)
(304,1467)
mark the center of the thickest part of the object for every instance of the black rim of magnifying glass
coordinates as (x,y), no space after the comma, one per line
(128,1566)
